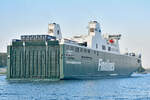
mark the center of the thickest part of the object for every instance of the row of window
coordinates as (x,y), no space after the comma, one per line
(104,48)
(85,50)
(77,49)
(109,48)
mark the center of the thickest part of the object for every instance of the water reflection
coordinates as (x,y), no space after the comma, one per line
(136,87)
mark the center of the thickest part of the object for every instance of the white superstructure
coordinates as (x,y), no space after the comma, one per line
(54,30)
(94,39)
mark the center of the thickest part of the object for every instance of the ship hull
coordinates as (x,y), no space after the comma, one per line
(87,65)
(55,61)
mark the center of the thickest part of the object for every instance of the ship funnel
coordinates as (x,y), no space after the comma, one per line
(94,28)
(54,30)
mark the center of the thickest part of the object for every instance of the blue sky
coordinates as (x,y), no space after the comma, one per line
(131,18)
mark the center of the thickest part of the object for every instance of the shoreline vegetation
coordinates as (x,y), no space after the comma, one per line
(3,59)
(3,63)
(3,70)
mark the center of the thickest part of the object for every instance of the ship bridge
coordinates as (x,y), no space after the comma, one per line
(95,40)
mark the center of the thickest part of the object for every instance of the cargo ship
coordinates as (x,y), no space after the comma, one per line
(81,57)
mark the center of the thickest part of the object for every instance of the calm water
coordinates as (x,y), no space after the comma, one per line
(136,87)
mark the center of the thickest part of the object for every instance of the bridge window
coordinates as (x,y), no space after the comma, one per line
(58,32)
(103,47)
(96,45)
(99,30)
(97,53)
(109,48)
